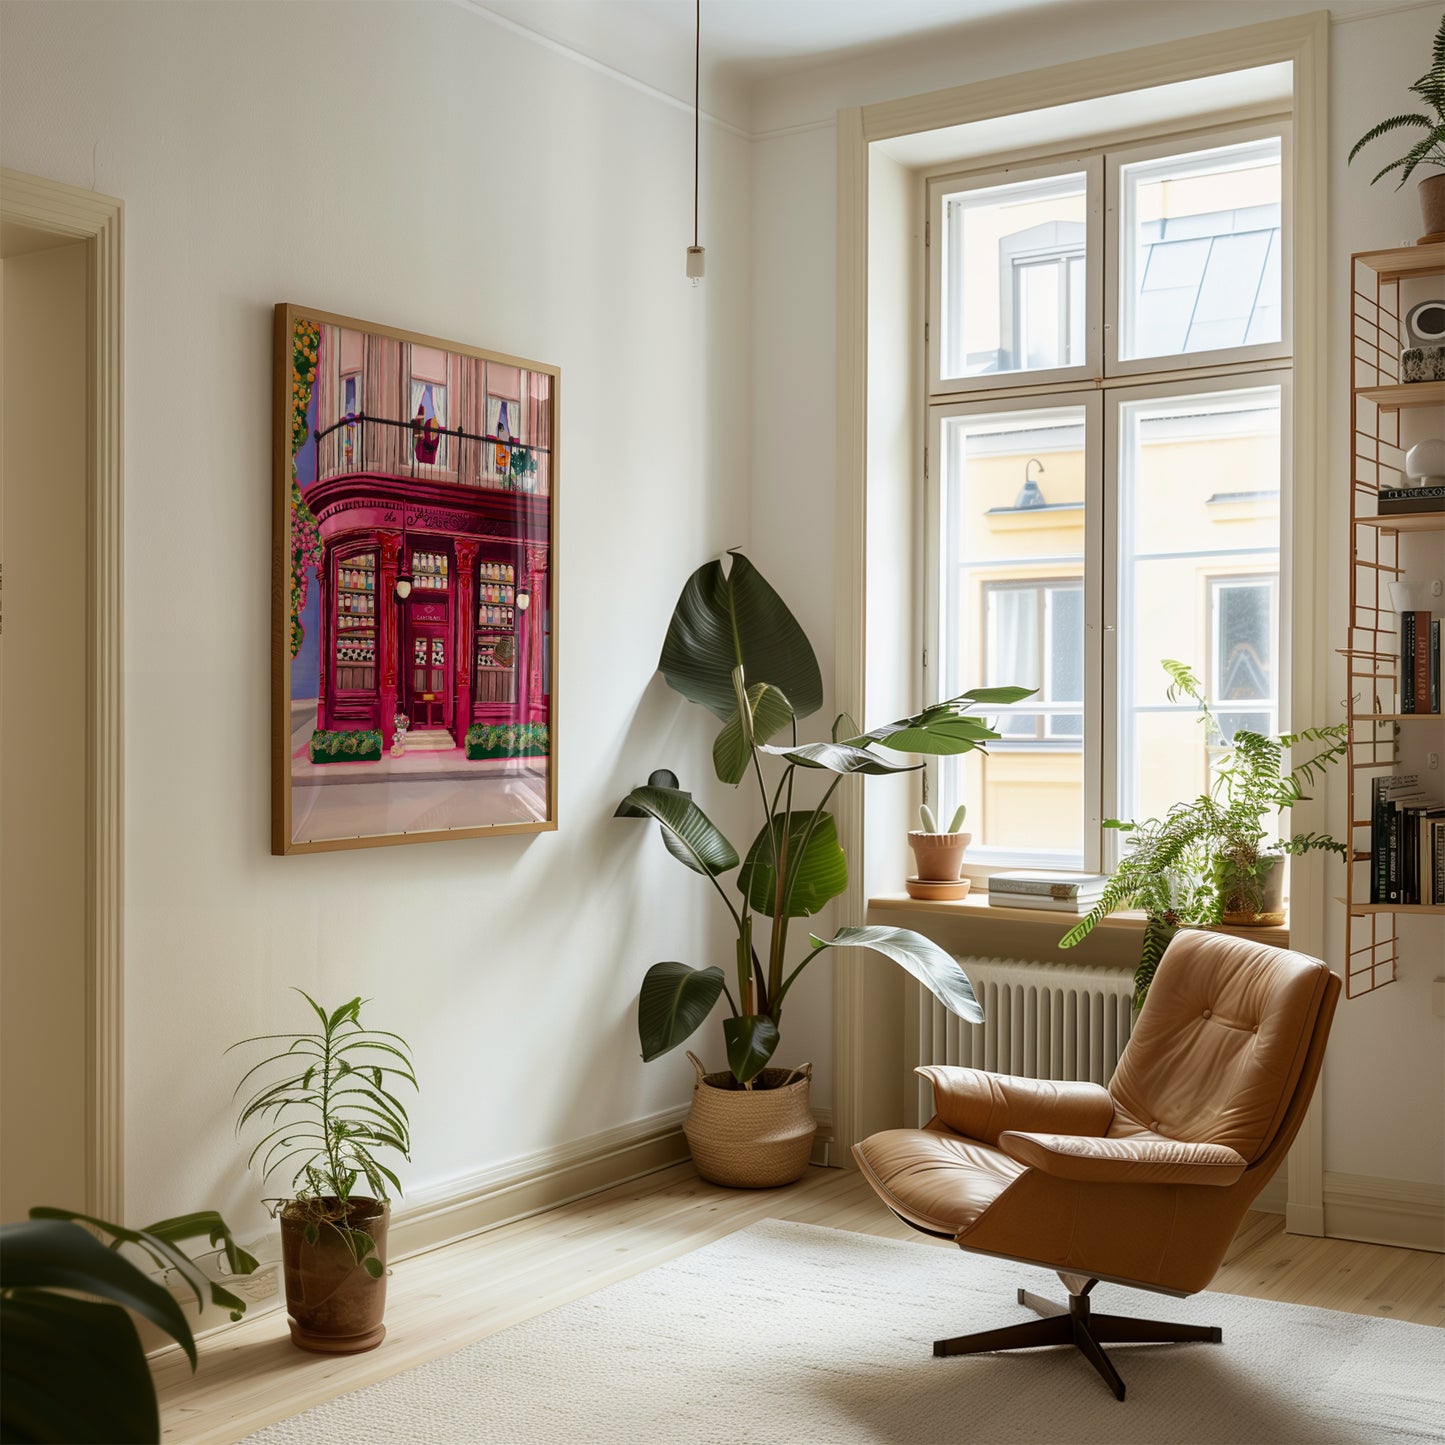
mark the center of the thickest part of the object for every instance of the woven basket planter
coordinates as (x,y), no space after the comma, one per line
(751,1138)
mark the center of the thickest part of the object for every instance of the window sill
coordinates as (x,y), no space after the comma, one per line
(976,909)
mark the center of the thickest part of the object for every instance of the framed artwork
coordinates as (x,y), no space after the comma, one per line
(414,675)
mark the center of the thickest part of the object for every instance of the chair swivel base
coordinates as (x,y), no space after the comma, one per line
(1073,1324)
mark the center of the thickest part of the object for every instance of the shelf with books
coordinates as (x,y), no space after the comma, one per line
(1396,866)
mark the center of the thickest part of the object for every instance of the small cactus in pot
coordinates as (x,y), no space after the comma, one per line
(939,855)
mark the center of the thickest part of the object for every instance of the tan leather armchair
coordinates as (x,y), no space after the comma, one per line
(1143,1183)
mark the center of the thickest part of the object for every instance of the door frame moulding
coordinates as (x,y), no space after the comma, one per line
(1303,41)
(71,214)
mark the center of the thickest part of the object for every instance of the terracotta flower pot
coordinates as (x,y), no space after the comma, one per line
(335,1306)
(754,1138)
(939,856)
(1432,205)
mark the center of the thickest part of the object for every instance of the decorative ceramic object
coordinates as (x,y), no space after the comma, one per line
(931,891)
(939,856)
(1423,363)
(1425,463)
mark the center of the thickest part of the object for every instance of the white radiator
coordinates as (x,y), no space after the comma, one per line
(1042,1020)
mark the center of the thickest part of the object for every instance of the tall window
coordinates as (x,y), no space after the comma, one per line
(1108,371)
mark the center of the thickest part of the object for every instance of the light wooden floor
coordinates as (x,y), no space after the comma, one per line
(250,1374)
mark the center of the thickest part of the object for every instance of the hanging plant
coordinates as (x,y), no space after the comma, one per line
(305,532)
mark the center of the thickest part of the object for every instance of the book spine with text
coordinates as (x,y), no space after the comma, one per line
(1407,662)
(1420,662)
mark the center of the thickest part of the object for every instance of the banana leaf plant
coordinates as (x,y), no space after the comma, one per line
(72,1366)
(735,648)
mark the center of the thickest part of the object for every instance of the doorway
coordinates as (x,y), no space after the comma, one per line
(429,703)
(61,1113)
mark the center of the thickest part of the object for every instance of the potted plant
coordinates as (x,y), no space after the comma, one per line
(734,647)
(1211,860)
(938,856)
(1429,149)
(328,1096)
(73,1366)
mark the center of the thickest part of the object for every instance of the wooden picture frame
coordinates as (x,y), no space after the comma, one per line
(414,617)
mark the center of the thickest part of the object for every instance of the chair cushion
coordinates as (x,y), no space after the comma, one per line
(980,1105)
(1218,1049)
(934,1179)
(1125,1161)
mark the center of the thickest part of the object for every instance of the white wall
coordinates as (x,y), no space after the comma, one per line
(1386,1049)
(422,166)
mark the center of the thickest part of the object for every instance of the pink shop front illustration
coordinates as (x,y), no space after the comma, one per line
(416,485)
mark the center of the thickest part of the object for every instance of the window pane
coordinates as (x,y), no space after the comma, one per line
(1008,280)
(1200,251)
(1198,568)
(1040,312)
(1064,657)
(1012,602)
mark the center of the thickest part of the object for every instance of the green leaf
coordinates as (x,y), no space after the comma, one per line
(73,1369)
(373,1267)
(841,758)
(673,1001)
(937,971)
(768,713)
(947,727)
(998,696)
(818,873)
(690,835)
(751,1040)
(844,728)
(55,1254)
(735,619)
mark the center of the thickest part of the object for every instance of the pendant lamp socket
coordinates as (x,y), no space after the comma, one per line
(695,258)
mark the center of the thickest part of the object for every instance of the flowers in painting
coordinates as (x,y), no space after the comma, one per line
(305,534)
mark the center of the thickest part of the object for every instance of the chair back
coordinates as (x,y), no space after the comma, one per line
(1225,1050)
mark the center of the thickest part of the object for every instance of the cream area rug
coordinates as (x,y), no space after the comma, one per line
(790,1333)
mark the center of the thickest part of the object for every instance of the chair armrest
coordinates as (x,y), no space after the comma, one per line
(981,1105)
(1125,1161)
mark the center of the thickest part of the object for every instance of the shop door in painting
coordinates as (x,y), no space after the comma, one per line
(429,703)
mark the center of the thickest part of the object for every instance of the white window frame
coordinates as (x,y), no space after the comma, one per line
(935,678)
(1115,399)
(1183,374)
(1120,227)
(953,183)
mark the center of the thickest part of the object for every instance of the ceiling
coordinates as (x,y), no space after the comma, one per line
(742,40)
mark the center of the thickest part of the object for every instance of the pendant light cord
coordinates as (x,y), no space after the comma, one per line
(696,112)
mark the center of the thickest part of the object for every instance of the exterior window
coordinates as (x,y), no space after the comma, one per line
(428,418)
(1048,311)
(1096,509)
(1013,280)
(1034,636)
(1243,680)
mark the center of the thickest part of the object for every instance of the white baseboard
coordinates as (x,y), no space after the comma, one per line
(1400,1212)
(514,1189)
(1274,1196)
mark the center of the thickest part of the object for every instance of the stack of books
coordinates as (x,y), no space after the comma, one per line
(1400,501)
(1062,892)
(1419,662)
(1407,842)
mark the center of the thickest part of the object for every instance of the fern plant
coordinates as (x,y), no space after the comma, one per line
(1209,856)
(332,1110)
(1430,148)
